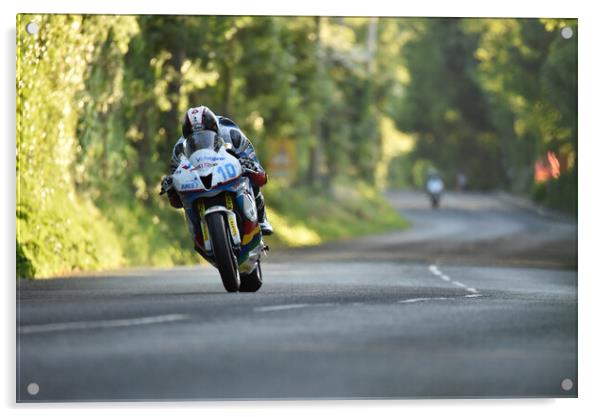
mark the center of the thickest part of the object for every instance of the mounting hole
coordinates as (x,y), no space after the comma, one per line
(566,32)
(33,389)
(567,384)
(32,28)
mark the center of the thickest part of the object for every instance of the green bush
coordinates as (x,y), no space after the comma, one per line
(63,234)
(305,215)
(25,268)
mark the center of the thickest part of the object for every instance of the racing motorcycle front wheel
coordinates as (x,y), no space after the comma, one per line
(222,251)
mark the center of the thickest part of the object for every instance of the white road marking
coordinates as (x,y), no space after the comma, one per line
(101,324)
(280,307)
(417,300)
(435,270)
(292,306)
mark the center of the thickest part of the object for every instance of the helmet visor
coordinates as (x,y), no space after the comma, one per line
(203,139)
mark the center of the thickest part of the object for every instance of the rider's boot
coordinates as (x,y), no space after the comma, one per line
(264,224)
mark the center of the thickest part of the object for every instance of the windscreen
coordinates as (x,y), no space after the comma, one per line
(203,139)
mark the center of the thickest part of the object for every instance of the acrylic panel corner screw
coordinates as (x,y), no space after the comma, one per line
(32,28)
(33,389)
(566,32)
(567,384)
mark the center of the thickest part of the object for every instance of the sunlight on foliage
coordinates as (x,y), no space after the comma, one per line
(394,144)
(365,103)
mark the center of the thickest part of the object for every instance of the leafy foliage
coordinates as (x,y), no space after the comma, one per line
(57,230)
(367,102)
(307,216)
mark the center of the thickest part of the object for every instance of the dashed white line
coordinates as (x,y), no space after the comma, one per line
(417,300)
(290,307)
(101,324)
(280,307)
(435,270)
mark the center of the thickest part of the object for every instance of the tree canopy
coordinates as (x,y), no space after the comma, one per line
(377,100)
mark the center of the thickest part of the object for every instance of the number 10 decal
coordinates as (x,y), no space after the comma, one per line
(229,172)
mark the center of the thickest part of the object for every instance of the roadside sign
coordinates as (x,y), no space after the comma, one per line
(283,160)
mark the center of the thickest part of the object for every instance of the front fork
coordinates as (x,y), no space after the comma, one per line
(231,220)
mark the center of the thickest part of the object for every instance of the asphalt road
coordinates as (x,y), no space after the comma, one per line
(477,299)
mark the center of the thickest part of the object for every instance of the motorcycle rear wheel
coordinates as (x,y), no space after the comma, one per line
(253,281)
(435,202)
(222,251)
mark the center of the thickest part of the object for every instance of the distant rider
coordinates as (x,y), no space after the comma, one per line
(202,118)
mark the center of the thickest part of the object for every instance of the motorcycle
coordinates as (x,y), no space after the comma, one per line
(220,204)
(434,188)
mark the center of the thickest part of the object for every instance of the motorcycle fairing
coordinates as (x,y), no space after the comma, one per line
(251,240)
(206,173)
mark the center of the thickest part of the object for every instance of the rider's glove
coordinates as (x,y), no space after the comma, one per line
(248,165)
(166,184)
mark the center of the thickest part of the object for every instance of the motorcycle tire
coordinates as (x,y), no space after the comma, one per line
(253,281)
(222,251)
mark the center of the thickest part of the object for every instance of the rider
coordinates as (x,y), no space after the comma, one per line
(202,118)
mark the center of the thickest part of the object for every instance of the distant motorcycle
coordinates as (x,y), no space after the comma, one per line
(219,200)
(434,189)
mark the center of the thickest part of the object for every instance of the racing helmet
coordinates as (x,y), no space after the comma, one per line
(197,119)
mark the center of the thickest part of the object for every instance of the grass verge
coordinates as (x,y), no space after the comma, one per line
(73,235)
(303,216)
